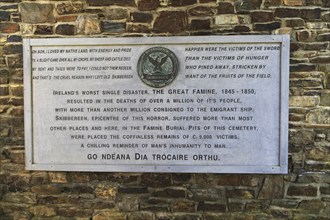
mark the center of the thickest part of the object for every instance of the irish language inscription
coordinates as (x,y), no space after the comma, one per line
(157,104)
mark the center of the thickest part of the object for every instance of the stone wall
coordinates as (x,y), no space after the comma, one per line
(304,193)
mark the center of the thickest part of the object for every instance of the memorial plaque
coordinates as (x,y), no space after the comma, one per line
(176,104)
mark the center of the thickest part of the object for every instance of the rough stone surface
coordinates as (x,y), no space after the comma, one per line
(171,22)
(65,29)
(148,5)
(117,13)
(36,12)
(69,7)
(88,24)
(111,2)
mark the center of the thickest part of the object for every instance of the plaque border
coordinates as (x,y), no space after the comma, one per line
(283,40)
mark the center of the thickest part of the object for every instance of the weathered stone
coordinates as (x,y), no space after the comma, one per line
(36,12)
(323,37)
(320,59)
(273,188)
(4,15)
(106,215)
(310,14)
(44,30)
(46,190)
(183,206)
(269,3)
(303,101)
(107,191)
(285,203)
(8,27)
(294,2)
(13,49)
(88,24)
(236,180)
(73,212)
(325,190)
(178,3)
(314,46)
(208,194)
(268,26)
(240,193)
(111,2)
(302,67)
(226,20)
(57,177)
(141,17)
(201,11)
(247,5)
(236,206)
(39,178)
(65,29)
(15,61)
(293,22)
(43,211)
(170,193)
(129,204)
(116,13)
(200,24)
(140,28)
(318,116)
(133,189)
(325,98)
(225,8)
(311,206)
(287,12)
(325,16)
(242,28)
(303,35)
(26,198)
(262,16)
(316,153)
(212,207)
(14,38)
(67,18)
(141,215)
(298,190)
(69,7)
(113,27)
(170,22)
(9,7)
(147,5)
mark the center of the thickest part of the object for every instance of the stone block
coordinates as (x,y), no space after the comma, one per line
(15,61)
(73,212)
(141,215)
(69,7)
(42,211)
(14,38)
(310,14)
(247,5)
(225,8)
(57,177)
(293,22)
(88,24)
(242,28)
(9,27)
(212,207)
(325,98)
(113,26)
(284,12)
(201,11)
(240,193)
(262,16)
(311,206)
(65,29)
(138,28)
(4,16)
(294,2)
(226,20)
(141,17)
(67,18)
(237,180)
(4,91)
(304,101)
(23,198)
(325,16)
(107,191)
(183,206)
(147,5)
(133,189)
(303,191)
(323,37)
(129,3)
(170,193)
(267,26)
(178,3)
(116,13)
(106,215)
(302,67)
(273,188)
(314,46)
(320,59)
(200,24)
(37,12)
(316,153)
(319,116)
(170,22)
(44,30)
